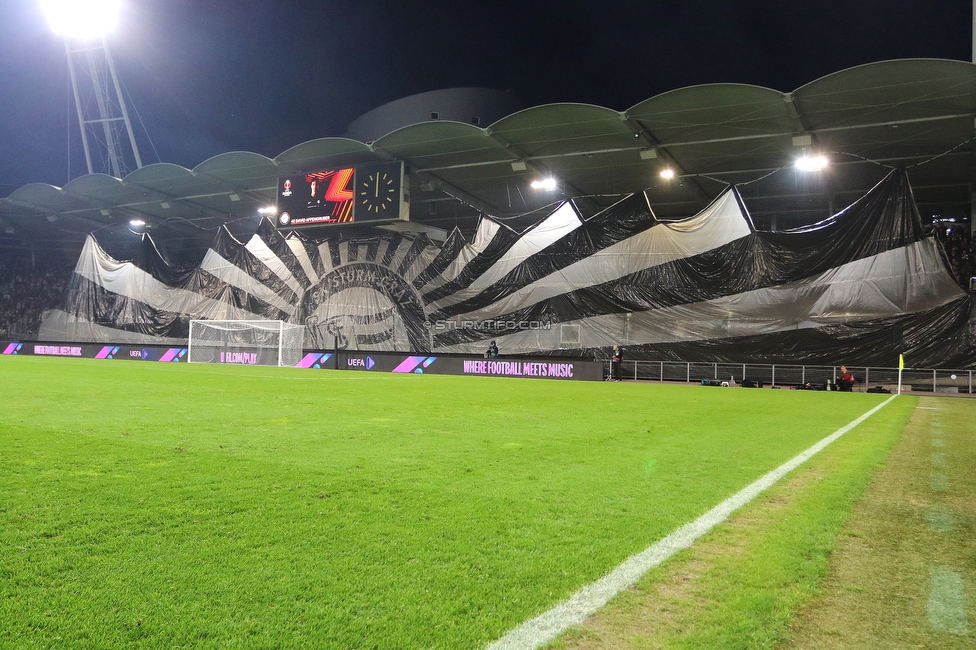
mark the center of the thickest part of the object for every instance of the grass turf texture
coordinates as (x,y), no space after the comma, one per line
(880,592)
(153,505)
(742,585)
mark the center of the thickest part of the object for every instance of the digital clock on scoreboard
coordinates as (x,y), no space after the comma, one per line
(370,193)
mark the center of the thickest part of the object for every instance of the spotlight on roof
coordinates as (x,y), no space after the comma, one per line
(544,184)
(811,163)
(267,210)
(82,19)
(667,174)
(137,223)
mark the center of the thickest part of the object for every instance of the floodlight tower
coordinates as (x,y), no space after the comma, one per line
(106,132)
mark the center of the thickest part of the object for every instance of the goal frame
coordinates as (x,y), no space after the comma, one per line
(268,326)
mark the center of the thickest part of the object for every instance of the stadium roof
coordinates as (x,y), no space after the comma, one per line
(917,113)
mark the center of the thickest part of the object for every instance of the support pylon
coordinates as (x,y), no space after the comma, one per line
(106,132)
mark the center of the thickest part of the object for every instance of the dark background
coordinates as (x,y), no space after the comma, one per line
(211,76)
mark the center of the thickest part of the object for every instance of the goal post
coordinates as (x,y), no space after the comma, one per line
(246,342)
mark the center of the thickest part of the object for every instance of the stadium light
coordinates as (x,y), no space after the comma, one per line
(811,163)
(544,184)
(82,19)
(667,174)
(137,223)
(267,210)
(103,118)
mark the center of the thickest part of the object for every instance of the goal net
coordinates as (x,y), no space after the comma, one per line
(249,342)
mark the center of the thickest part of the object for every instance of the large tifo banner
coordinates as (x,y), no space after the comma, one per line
(860,287)
(540,368)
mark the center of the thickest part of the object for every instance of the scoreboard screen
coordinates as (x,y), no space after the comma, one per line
(371,193)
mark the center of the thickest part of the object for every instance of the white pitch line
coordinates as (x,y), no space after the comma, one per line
(544,628)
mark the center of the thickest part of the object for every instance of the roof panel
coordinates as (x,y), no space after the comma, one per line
(241,168)
(563,129)
(430,145)
(100,188)
(168,180)
(159,173)
(903,144)
(725,156)
(41,195)
(889,91)
(714,111)
(327,153)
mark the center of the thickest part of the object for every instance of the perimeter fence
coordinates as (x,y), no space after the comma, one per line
(931,380)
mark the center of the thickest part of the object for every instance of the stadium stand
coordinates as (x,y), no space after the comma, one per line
(960,249)
(26,291)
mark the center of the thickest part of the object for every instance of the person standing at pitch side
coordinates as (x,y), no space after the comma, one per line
(615,361)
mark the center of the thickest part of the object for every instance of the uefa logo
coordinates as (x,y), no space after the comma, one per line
(286,187)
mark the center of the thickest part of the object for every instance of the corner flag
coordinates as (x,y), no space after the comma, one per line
(901,366)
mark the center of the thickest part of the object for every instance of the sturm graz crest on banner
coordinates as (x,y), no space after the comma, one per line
(364,305)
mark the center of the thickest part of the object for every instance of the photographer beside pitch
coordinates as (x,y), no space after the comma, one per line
(845,381)
(492,351)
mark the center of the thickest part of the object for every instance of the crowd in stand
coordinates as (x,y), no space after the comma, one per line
(960,248)
(26,291)
(185,266)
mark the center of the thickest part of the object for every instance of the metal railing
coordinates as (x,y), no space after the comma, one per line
(932,380)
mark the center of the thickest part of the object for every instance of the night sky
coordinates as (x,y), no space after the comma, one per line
(211,76)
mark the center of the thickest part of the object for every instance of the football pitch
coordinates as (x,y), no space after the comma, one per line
(170,505)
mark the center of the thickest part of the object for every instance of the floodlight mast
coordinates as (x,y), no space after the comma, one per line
(99,103)
(102,113)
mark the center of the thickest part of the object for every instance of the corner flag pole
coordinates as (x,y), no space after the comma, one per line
(901,366)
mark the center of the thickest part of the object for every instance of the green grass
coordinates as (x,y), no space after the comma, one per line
(744,583)
(879,590)
(762,588)
(164,505)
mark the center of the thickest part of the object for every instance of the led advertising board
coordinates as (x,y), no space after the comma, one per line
(365,194)
(375,361)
